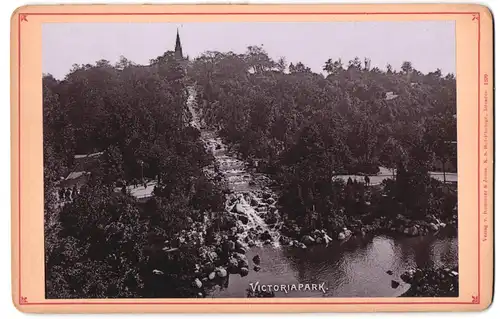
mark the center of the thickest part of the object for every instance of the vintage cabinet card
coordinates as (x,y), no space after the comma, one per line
(252,158)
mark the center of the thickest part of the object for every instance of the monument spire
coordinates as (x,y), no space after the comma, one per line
(178,46)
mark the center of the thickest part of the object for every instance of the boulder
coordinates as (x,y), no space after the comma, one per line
(319,240)
(407,276)
(302,245)
(266,236)
(267,242)
(197,283)
(341,236)
(242,260)
(251,243)
(254,201)
(270,200)
(231,198)
(389,272)
(256,259)
(221,272)
(256,268)
(212,255)
(243,219)
(243,271)
(241,250)
(157,272)
(394,284)
(239,244)
(211,276)
(284,240)
(317,233)
(327,238)
(239,256)
(232,264)
(308,240)
(208,267)
(238,208)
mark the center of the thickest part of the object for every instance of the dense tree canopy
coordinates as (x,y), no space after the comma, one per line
(99,245)
(307,127)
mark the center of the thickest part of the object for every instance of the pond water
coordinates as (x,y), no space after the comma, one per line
(356,268)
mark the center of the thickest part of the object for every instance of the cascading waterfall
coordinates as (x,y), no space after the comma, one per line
(252,205)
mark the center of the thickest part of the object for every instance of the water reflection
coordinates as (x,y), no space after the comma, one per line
(356,268)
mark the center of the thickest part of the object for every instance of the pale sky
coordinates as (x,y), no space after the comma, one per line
(427,44)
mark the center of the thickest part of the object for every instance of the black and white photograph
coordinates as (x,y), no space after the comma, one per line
(250,159)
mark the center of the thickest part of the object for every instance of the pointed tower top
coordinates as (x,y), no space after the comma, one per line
(178,46)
